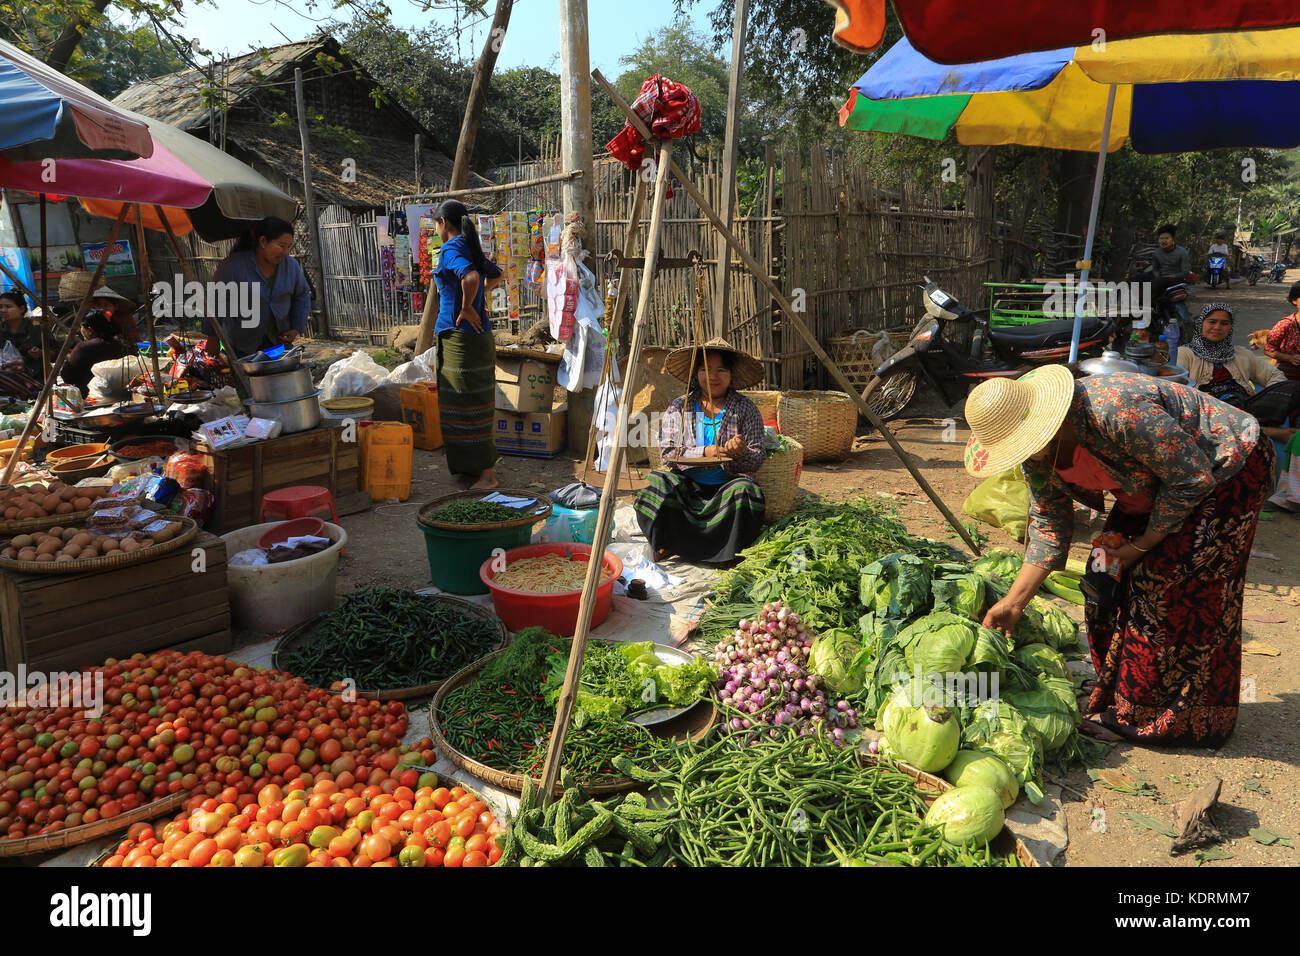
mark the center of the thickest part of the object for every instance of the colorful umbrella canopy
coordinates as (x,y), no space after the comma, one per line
(1172,94)
(43,114)
(200,187)
(955,31)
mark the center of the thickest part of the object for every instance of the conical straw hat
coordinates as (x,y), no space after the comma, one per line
(1012,419)
(748,371)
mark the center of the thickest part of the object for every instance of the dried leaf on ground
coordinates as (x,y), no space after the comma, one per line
(1149,823)
(1259,647)
(1256,786)
(1268,837)
(1213,853)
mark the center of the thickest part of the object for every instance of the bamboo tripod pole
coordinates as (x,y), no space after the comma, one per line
(605,517)
(146,286)
(620,306)
(792,317)
(48,387)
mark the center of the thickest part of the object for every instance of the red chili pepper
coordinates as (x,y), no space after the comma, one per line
(459,712)
(503,690)
(498,746)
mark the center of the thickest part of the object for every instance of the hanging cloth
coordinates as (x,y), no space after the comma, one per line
(669,109)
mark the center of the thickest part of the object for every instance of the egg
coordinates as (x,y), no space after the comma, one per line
(45,558)
(81,539)
(47,547)
(91,552)
(64,508)
(21,541)
(11,513)
(81,504)
(11,553)
(56,531)
(64,556)
(69,533)
(109,544)
(27,554)
(51,502)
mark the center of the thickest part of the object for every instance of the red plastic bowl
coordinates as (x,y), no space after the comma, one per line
(293,528)
(558,612)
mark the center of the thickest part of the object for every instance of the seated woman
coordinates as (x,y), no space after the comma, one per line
(1283,343)
(100,343)
(707,512)
(1229,373)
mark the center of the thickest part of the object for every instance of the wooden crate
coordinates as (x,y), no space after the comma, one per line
(240,476)
(66,621)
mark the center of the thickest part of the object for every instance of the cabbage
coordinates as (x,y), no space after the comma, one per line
(1044,623)
(641,658)
(999,563)
(1041,659)
(992,652)
(682,684)
(967,814)
(979,768)
(925,737)
(896,586)
(902,698)
(1001,729)
(1051,710)
(938,643)
(961,594)
(837,657)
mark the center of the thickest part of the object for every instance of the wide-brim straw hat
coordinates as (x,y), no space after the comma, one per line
(746,372)
(104,292)
(1012,419)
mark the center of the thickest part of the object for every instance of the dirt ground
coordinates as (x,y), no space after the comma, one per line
(1258,766)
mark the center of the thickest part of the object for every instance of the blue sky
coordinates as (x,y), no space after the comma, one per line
(616,27)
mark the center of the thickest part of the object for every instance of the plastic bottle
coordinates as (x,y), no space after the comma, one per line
(1172,334)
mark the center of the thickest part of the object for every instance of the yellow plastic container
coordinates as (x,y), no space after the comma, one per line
(420,411)
(387,449)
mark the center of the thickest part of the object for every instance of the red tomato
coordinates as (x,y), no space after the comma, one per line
(455,856)
(475,858)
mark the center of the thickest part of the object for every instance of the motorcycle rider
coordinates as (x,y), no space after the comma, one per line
(1170,265)
(1220,248)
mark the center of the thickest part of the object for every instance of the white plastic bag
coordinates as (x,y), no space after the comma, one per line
(355,375)
(10,356)
(420,369)
(251,558)
(584,351)
(112,379)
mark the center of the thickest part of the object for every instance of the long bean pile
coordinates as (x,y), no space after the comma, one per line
(474,511)
(796,802)
(385,638)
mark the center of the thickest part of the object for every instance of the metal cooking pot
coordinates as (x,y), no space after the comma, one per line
(259,364)
(284,387)
(295,415)
(1109,362)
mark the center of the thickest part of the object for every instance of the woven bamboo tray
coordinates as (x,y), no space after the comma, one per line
(64,839)
(43,524)
(189,531)
(694,724)
(301,635)
(527,516)
(824,423)
(779,479)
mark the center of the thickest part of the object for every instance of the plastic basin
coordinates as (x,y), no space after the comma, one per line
(272,597)
(558,613)
(293,528)
(455,556)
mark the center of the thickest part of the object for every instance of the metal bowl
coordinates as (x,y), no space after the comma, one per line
(1108,362)
(285,363)
(295,415)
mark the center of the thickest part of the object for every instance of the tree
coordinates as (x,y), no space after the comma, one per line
(682,54)
(109,61)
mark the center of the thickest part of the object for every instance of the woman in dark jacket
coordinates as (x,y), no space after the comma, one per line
(100,343)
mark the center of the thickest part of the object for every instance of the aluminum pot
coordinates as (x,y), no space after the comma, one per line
(295,415)
(1109,362)
(265,366)
(284,387)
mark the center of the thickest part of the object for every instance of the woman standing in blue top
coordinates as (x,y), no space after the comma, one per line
(261,260)
(466,347)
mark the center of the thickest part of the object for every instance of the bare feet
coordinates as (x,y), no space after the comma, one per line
(1093,727)
(487,480)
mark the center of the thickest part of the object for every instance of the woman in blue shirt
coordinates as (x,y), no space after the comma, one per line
(260,261)
(466,347)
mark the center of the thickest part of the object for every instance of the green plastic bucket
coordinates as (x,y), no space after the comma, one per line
(456,556)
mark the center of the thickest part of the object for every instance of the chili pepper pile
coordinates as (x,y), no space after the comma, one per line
(474,511)
(385,638)
(795,802)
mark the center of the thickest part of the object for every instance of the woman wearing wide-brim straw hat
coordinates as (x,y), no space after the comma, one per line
(705,505)
(1189,475)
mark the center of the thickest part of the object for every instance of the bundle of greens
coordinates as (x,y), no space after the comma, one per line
(622,679)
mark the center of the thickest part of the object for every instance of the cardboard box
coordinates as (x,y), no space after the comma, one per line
(531,434)
(525,385)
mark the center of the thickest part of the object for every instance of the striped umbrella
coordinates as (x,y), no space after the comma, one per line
(1162,94)
(957,31)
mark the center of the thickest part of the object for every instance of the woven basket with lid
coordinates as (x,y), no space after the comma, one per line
(74,286)
(824,423)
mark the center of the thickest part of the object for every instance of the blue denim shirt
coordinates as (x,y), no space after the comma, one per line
(453,265)
(285,301)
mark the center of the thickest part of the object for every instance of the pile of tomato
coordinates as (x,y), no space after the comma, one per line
(326,824)
(191,722)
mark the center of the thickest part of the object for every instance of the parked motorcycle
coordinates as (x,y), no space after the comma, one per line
(1217,271)
(1253,268)
(954,347)
(1277,271)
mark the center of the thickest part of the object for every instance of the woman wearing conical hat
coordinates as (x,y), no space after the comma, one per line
(1189,475)
(705,505)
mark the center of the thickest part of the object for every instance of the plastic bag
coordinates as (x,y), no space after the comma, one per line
(420,369)
(10,357)
(251,558)
(1287,494)
(1002,501)
(187,469)
(355,375)
(112,379)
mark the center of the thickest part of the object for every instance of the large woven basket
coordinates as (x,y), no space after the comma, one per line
(824,423)
(74,286)
(779,479)
(766,399)
(852,353)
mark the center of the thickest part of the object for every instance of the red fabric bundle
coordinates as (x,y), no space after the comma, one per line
(669,109)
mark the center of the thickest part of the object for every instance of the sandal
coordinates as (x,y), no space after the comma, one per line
(1093,727)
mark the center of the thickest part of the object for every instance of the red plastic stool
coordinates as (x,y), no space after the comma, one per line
(298,501)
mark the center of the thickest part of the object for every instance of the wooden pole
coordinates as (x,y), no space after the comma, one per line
(419,162)
(797,323)
(318,253)
(605,517)
(615,323)
(48,386)
(722,305)
(45,291)
(146,286)
(575,113)
(504,188)
(242,387)
(478,94)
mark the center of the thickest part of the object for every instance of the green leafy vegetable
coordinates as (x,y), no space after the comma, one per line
(999,563)
(682,684)
(979,768)
(837,658)
(938,643)
(1050,708)
(961,594)
(925,737)
(1041,659)
(967,814)
(896,586)
(992,652)
(1001,729)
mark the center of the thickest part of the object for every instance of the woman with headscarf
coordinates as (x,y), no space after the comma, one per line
(698,508)
(1229,373)
(1189,475)
(466,347)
